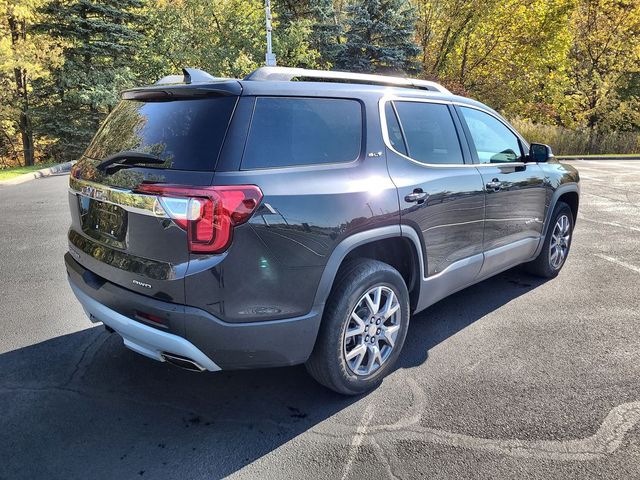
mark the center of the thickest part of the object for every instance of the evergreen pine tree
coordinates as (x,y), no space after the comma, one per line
(99,45)
(326,28)
(380,37)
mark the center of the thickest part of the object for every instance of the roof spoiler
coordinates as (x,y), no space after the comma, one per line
(285,74)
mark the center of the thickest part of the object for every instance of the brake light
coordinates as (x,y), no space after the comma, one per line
(207,214)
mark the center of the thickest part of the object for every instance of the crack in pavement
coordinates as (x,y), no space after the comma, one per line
(87,355)
(357,439)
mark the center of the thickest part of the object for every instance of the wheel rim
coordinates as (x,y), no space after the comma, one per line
(371,332)
(559,245)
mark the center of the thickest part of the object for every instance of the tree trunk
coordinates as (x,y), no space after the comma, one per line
(26,132)
(593,140)
(19,33)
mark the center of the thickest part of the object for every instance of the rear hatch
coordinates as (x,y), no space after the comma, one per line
(157,135)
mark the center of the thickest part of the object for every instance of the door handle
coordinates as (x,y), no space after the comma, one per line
(494,185)
(416,196)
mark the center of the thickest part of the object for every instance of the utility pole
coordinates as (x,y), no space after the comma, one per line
(270,57)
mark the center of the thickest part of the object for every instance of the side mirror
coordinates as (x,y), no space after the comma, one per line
(539,152)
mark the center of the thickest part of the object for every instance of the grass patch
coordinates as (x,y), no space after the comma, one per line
(623,155)
(9,173)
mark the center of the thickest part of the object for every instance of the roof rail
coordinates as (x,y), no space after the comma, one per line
(189,75)
(286,74)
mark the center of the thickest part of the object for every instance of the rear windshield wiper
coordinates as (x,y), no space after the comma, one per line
(127,159)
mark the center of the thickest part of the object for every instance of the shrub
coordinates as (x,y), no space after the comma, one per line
(565,141)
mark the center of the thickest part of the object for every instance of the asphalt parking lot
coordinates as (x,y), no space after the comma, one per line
(513,377)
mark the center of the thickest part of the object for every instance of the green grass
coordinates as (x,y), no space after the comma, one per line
(9,173)
(602,155)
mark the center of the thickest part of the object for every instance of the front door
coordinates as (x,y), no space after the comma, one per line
(515,191)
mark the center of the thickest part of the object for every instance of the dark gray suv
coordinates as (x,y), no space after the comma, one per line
(300,216)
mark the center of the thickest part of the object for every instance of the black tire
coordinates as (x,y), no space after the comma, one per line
(327,363)
(542,266)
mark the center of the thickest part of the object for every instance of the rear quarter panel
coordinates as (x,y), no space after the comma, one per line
(274,265)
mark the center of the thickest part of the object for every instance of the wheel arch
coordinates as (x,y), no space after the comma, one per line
(386,244)
(571,198)
(568,193)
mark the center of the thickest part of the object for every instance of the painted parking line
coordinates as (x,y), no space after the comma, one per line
(618,262)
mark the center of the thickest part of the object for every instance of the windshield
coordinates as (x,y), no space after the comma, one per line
(185,134)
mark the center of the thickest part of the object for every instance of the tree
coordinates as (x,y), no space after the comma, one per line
(380,37)
(100,42)
(225,38)
(511,54)
(25,56)
(441,26)
(605,64)
(324,21)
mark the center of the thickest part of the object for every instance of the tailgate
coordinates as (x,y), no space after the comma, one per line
(126,238)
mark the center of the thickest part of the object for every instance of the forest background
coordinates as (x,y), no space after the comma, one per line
(565,72)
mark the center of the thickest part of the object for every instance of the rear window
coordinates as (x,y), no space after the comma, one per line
(303,131)
(186,134)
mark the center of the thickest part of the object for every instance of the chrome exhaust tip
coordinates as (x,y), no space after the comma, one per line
(182,362)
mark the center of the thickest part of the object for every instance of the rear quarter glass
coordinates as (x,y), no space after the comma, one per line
(297,131)
(186,134)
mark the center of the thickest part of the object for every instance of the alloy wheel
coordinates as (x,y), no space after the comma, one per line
(559,245)
(370,334)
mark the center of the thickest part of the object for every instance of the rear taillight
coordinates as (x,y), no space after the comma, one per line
(207,214)
(75,170)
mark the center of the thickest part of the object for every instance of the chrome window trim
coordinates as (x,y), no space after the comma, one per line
(127,199)
(385,132)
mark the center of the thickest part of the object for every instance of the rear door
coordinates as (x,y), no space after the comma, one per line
(128,237)
(440,190)
(515,190)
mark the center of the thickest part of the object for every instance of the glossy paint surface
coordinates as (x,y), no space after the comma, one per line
(517,209)
(451,219)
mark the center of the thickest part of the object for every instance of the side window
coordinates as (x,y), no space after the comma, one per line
(429,132)
(393,128)
(289,131)
(494,142)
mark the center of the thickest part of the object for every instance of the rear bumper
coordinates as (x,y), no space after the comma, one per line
(140,338)
(191,332)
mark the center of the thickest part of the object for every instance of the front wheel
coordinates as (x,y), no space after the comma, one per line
(556,244)
(363,328)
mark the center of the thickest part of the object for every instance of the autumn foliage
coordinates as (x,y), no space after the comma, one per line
(566,71)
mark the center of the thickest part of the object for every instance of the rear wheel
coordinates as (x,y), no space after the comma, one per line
(363,329)
(556,244)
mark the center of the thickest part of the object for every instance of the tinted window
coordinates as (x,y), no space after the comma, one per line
(494,142)
(429,132)
(393,127)
(187,134)
(303,131)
